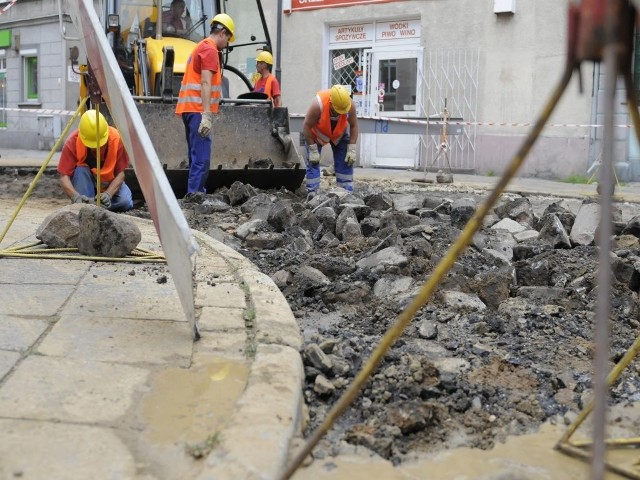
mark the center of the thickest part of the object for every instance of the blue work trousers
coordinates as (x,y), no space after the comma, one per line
(85,184)
(199,150)
(344,172)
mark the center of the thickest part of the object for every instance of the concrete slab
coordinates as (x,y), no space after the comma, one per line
(227,295)
(42,271)
(67,390)
(33,300)
(118,340)
(231,345)
(115,300)
(18,334)
(216,319)
(7,361)
(44,451)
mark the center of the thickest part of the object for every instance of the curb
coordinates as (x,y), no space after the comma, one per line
(268,414)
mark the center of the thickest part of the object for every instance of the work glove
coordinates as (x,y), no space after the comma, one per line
(105,200)
(205,124)
(350,158)
(77,198)
(314,154)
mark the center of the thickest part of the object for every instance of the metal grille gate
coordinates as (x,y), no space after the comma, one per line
(446,74)
(451,76)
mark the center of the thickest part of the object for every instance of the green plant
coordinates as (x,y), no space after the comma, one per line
(576,178)
(202,449)
(491,173)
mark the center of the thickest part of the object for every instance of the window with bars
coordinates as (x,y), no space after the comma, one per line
(346,68)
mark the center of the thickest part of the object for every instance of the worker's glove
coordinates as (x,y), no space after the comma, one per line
(350,158)
(105,199)
(314,154)
(205,124)
(77,198)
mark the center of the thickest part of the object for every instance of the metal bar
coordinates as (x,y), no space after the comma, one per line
(603,308)
(237,101)
(579,453)
(410,126)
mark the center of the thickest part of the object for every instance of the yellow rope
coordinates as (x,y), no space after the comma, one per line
(32,185)
(429,287)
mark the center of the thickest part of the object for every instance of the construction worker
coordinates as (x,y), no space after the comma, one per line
(326,122)
(78,167)
(267,82)
(174,22)
(199,98)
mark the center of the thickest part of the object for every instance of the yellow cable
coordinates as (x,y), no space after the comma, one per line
(429,287)
(32,185)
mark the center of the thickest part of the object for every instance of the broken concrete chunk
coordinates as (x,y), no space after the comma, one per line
(61,228)
(106,234)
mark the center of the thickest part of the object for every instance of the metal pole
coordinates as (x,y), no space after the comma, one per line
(603,309)
(278,39)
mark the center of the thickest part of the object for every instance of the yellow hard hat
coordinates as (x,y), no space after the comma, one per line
(340,100)
(89,134)
(227,22)
(265,57)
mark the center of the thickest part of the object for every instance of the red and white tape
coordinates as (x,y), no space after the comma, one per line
(469,124)
(7,7)
(44,111)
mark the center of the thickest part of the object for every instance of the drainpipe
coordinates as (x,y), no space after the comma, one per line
(593,136)
(278,39)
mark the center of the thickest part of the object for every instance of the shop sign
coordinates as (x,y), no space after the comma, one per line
(398,29)
(315,4)
(351,33)
(341,61)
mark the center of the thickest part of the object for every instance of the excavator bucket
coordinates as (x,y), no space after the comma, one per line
(251,144)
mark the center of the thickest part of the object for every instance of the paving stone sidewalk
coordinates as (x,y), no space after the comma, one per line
(99,377)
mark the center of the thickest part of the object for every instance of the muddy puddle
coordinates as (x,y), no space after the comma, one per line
(531,457)
(192,404)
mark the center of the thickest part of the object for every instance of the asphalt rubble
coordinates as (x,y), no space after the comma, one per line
(504,345)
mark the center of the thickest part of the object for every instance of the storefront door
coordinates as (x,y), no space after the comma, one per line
(394,90)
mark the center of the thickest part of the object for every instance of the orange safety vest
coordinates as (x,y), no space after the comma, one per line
(189,98)
(107,164)
(267,85)
(322,132)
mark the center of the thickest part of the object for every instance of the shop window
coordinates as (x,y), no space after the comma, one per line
(30,78)
(3,92)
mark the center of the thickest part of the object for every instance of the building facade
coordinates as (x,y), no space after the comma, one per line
(487,62)
(488,66)
(35,75)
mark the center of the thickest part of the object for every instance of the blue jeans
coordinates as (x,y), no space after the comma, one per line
(199,150)
(85,184)
(344,172)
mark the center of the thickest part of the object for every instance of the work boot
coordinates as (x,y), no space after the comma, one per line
(194,197)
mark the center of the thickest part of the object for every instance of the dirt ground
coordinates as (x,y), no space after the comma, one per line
(504,345)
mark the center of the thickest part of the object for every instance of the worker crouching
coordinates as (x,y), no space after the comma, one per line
(78,164)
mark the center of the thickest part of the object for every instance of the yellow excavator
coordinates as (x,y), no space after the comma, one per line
(152,40)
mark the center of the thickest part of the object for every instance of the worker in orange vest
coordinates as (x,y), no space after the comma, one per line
(78,166)
(325,123)
(267,82)
(199,98)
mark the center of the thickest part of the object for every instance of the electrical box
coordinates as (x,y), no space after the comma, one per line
(504,6)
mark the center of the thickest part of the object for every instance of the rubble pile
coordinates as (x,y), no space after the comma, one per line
(504,344)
